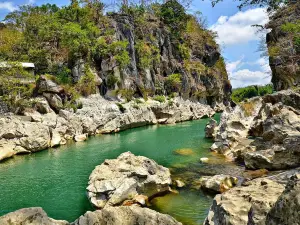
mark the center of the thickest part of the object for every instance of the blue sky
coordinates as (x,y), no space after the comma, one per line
(238,40)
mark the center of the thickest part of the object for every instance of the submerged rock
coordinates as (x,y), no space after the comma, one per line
(184,151)
(248,204)
(117,180)
(32,216)
(125,215)
(218,183)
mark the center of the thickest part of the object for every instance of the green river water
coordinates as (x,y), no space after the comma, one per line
(56,179)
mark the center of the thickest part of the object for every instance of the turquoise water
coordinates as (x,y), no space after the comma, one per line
(56,179)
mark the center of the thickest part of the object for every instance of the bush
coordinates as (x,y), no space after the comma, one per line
(147,54)
(138,101)
(159,98)
(127,94)
(173,83)
(87,84)
(111,80)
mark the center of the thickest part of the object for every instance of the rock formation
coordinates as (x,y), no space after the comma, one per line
(284,47)
(125,215)
(117,180)
(44,128)
(218,183)
(210,128)
(247,204)
(273,121)
(32,216)
(286,209)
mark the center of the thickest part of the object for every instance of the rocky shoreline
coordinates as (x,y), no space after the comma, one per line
(261,133)
(42,128)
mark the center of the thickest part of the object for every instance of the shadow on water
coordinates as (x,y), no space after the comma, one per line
(56,179)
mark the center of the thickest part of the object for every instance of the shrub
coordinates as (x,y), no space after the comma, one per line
(184,51)
(241,94)
(87,84)
(159,98)
(173,82)
(147,54)
(194,66)
(273,51)
(138,101)
(111,80)
(127,94)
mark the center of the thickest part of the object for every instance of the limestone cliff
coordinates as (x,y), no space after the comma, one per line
(284,46)
(161,64)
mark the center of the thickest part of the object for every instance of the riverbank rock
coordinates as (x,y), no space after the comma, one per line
(117,180)
(125,215)
(43,129)
(218,183)
(32,216)
(248,204)
(273,122)
(287,208)
(210,128)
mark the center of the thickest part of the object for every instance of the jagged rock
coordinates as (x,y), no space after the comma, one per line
(274,125)
(248,204)
(117,180)
(6,149)
(218,183)
(46,85)
(55,138)
(32,216)
(179,183)
(54,101)
(125,215)
(286,209)
(42,106)
(210,128)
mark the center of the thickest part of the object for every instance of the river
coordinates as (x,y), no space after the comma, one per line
(56,179)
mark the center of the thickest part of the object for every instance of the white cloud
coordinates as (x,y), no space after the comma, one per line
(8,6)
(238,29)
(245,77)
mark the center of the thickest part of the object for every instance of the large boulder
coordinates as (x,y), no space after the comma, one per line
(218,183)
(29,216)
(44,84)
(248,204)
(117,180)
(287,208)
(125,215)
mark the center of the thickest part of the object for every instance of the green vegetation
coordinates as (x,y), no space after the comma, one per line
(241,94)
(173,83)
(148,54)
(293,29)
(121,107)
(159,98)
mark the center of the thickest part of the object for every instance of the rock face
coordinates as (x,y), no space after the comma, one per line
(248,204)
(117,180)
(218,183)
(283,48)
(125,215)
(210,128)
(286,209)
(44,128)
(32,216)
(203,75)
(273,121)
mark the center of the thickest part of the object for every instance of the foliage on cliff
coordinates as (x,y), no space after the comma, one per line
(284,46)
(142,50)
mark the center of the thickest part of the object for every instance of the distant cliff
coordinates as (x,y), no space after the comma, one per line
(284,47)
(139,51)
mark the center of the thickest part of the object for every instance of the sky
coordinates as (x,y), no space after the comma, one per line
(239,41)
